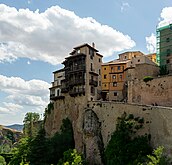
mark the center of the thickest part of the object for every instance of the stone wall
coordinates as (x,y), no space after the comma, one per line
(158,121)
(155,92)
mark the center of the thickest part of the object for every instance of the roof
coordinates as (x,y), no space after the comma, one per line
(79,54)
(99,55)
(60,70)
(80,46)
(116,62)
(131,52)
(164,27)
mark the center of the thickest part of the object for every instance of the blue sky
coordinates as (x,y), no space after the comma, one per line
(36,35)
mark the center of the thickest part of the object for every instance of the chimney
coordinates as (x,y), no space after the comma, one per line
(93,44)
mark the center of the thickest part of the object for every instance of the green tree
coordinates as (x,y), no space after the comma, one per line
(71,157)
(2,160)
(61,142)
(38,149)
(21,152)
(29,120)
(125,147)
(158,158)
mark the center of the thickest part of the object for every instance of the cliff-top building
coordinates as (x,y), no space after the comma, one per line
(82,70)
(114,76)
(164,47)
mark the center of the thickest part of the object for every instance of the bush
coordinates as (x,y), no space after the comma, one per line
(124,147)
(2,160)
(71,157)
(147,78)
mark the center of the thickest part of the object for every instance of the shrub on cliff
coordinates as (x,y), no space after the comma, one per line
(125,147)
(147,78)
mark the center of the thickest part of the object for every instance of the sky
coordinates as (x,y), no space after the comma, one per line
(36,36)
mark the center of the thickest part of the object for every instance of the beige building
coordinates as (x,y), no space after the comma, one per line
(55,90)
(129,66)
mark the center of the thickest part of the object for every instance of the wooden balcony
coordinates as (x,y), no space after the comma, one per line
(74,92)
(53,97)
(93,82)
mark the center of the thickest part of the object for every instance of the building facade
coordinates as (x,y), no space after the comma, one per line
(82,70)
(164,48)
(55,90)
(130,65)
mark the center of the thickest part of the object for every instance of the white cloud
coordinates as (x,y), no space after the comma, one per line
(166,17)
(28,62)
(151,43)
(10,108)
(33,93)
(124,6)
(50,36)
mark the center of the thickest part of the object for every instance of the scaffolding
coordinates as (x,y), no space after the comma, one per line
(164,47)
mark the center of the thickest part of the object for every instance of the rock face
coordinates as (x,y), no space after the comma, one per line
(155,92)
(8,137)
(92,138)
(94,122)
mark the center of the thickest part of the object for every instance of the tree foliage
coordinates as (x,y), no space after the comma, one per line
(125,147)
(40,150)
(29,120)
(2,160)
(71,157)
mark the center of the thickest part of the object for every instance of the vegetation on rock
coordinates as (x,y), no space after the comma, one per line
(125,147)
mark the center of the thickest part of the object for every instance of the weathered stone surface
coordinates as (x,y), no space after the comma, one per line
(155,92)
(92,138)
(91,119)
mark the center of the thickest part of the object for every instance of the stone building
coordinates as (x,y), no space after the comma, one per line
(81,75)
(55,90)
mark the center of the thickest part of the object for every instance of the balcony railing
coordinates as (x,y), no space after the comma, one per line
(53,97)
(76,91)
(93,82)
(77,82)
(76,68)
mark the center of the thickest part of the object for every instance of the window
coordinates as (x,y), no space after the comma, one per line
(105,85)
(99,71)
(91,66)
(168,39)
(114,84)
(119,67)
(92,90)
(105,76)
(168,52)
(104,68)
(114,76)
(125,57)
(138,60)
(168,61)
(115,93)
(120,76)
(99,60)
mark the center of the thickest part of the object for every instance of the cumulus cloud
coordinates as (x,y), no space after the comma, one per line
(151,43)
(49,36)
(166,17)
(22,93)
(10,108)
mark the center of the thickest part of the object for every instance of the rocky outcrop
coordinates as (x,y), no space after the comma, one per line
(92,138)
